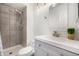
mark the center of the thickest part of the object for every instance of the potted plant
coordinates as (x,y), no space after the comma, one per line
(71,33)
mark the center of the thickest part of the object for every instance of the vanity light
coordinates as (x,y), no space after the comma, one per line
(54,4)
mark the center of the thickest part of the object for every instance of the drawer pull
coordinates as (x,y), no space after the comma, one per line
(61,55)
(39,45)
(47,54)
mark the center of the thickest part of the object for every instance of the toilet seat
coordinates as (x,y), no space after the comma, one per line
(27,51)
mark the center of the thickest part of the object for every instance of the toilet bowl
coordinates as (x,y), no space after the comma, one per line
(27,51)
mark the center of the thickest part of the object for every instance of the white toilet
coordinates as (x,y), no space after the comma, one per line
(27,51)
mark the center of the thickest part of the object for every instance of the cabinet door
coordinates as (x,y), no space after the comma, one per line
(44,49)
(40,52)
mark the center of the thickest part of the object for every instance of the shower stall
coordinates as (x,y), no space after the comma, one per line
(12,28)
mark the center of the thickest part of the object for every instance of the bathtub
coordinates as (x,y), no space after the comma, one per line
(12,51)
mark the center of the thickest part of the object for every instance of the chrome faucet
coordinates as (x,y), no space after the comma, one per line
(56,34)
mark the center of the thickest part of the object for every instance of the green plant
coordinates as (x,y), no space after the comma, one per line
(71,30)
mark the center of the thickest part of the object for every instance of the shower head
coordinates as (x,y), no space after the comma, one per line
(20,12)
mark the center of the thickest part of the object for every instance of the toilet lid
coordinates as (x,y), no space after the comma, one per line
(26,50)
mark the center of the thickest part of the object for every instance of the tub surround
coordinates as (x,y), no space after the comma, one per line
(61,42)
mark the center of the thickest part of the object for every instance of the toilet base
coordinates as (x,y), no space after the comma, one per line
(27,51)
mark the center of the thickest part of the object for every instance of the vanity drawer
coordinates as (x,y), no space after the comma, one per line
(53,50)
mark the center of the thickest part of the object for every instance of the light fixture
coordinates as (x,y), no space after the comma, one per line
(53,4)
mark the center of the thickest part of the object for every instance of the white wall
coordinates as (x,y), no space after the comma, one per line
(36,22)
(41,21)
(30,22)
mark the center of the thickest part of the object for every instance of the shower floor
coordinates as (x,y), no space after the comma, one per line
(12,51)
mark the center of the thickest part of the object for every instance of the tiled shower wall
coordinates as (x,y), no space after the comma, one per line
(24,27)
(10,26)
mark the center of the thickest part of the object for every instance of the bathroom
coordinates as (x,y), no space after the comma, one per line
(30,29)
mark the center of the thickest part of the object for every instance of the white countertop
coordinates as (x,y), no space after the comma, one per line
(70,45)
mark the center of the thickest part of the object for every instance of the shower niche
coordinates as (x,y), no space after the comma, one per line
(12,26)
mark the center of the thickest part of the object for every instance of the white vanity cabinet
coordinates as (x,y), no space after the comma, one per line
(45,49)
(42,49)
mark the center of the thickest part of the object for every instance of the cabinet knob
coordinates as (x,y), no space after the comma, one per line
(47,54)
(39,45)
(61,55)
